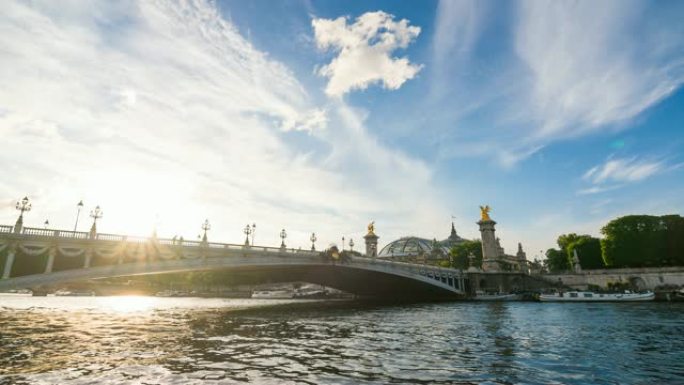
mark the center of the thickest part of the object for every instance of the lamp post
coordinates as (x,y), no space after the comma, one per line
(313,241)
(283,235)
(247,230)
(23,206)
(95,214)
(351,244)
(205,226)
(47,223)
(343,243)
(253,232)
(78,213)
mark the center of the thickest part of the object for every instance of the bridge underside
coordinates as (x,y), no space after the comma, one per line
(361,282)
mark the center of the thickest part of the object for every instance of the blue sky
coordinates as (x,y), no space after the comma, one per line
(323,115)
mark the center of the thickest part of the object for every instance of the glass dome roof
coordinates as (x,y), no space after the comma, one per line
(409,246)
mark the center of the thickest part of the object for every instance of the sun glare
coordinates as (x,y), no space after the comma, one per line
(128,304)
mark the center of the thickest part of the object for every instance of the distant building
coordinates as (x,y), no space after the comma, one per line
(421,250)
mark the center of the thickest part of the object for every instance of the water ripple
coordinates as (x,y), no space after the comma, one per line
(197,341)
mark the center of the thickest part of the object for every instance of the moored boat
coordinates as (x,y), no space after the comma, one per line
(481,296)
(589,296)
(69,293)
(273,294)
(17,293)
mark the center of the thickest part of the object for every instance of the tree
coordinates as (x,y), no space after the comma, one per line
(564,240)
(460,254)
(557,261)
(643,241)
(588,251)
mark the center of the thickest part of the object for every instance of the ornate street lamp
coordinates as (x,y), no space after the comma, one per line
(47,223)
(206,227)
(253,232)
(351,244)
(247,230)
(95,214)
(78,213)
(23,206)
(283,235)
(313,241)
(343,243)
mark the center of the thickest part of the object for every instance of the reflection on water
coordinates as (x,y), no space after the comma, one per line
(148,340)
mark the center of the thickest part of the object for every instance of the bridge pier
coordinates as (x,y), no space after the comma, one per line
(88,258)
(51,260)
(8,264)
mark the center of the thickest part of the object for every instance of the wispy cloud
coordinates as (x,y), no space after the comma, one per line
(583,73)
(365,51)
(573,69)
(163,110)
(623,170)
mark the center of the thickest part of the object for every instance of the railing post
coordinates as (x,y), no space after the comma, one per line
(8,264)
(51,259)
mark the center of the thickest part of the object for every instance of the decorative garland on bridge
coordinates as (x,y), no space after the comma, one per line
(34,252)
(70,254)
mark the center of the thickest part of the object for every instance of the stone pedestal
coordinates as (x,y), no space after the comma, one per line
(522,260)
(371,244)
(490,247)
(576,266)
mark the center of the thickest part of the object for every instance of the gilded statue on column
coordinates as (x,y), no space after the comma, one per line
(371,228)
(484,212)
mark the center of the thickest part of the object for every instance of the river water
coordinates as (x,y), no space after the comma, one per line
(147,340)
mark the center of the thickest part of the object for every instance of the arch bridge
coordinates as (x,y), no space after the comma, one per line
(34,258)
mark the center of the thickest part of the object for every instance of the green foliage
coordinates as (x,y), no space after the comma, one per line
(588,251)
(557,261)
(565,240)
(461,252)
(644,241)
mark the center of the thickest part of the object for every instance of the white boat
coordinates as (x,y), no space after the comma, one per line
(588,296)
(17,293)
(310,294)
(68,293)
(482,296)
(171,293)
(273,294)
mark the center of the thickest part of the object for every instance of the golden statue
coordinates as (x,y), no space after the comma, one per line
(484,212)
(371,228)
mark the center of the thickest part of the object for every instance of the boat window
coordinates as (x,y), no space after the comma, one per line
(588,295)
(573,295)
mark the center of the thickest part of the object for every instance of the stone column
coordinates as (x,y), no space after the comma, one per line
(490,247)
(51,260)
(8,264)
(371,244)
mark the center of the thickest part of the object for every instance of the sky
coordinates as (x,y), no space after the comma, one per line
(321,116)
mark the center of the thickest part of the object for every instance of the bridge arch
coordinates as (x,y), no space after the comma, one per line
(115,256)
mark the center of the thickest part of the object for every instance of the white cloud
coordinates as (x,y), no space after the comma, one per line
(623,170)
(365,48)
(163,110)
